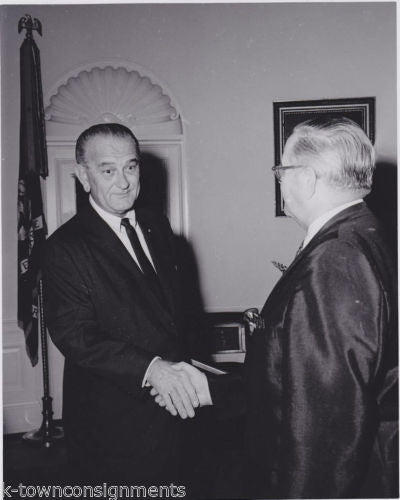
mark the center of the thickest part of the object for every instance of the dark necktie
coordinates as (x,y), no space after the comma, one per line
(144,263)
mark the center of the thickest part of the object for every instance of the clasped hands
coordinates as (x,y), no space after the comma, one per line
(178,387)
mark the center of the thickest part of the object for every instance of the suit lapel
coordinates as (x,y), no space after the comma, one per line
(104,238)
(328,231)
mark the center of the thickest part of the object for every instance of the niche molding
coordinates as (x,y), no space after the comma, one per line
(113,91)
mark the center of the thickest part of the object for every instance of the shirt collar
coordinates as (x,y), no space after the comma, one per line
(316,225)
(114,221)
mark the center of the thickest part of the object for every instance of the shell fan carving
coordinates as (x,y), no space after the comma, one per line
(110,95)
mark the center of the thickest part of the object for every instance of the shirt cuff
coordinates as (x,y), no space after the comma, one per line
(145,383)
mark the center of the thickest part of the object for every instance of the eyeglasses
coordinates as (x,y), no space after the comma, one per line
(278,170)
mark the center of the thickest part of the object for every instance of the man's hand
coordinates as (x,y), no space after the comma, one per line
(174,387)
(197,379)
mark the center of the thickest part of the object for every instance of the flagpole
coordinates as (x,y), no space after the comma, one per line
(31,222)
(48,431)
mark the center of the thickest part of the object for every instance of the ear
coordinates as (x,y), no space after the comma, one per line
(81,173)
(309,182)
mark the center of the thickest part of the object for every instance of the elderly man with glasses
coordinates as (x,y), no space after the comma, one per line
(321,367)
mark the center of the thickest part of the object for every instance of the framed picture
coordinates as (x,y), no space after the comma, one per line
(288,114)
(228,337)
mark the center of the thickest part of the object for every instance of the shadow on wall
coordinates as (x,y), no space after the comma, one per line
(153,184)
(154,196)
(383,199)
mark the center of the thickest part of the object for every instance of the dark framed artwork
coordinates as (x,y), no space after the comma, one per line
(288,114)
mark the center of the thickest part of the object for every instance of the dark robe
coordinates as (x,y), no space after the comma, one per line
(321,377)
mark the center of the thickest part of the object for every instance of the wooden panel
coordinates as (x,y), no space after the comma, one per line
(12,369)
(21,383)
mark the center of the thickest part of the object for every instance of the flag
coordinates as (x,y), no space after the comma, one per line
(31,222)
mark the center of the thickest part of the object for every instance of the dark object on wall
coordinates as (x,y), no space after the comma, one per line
(288,114)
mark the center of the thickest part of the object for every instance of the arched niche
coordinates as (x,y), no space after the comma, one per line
(112,90)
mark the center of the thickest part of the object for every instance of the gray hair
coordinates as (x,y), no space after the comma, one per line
(338,150)
(101,129)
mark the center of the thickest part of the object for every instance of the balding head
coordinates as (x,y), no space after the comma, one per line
(104,130)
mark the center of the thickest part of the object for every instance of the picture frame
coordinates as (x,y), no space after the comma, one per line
(288,114)
(228,337)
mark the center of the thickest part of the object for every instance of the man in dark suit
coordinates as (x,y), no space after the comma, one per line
(321,367)
(113,310)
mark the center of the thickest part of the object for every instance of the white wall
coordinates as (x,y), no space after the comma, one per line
(225,64)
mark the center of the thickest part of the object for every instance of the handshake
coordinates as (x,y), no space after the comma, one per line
(178,387)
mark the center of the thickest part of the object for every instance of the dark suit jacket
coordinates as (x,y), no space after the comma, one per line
(320,378)
(109,324)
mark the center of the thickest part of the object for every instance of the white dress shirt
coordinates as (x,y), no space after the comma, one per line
(316,225)
(114,221)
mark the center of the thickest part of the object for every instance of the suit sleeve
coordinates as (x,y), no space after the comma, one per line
(332,344)
(73,327)
(228,395)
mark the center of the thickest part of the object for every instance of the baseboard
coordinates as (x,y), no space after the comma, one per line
(21,417)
